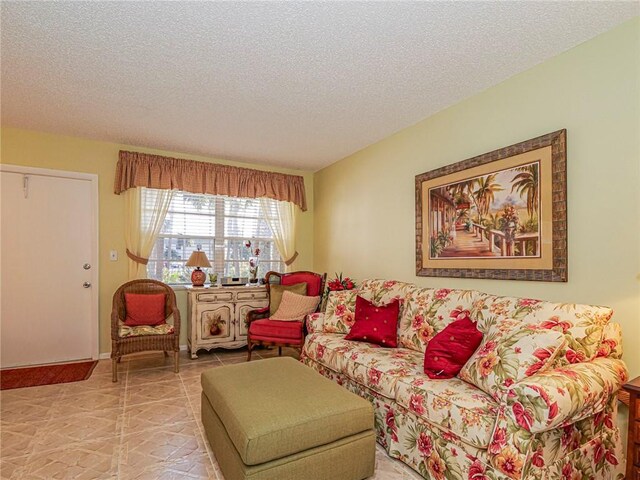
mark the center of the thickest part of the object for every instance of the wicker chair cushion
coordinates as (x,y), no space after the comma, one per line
(126,331)
(144,308)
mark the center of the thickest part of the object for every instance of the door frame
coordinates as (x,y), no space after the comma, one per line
(93,179)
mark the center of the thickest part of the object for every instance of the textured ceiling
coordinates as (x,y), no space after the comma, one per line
(296,84)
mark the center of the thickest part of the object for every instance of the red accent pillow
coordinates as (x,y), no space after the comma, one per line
(375,324)
(450,349)
(144,309)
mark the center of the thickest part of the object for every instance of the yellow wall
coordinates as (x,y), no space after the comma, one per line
(34,149)
(364,204)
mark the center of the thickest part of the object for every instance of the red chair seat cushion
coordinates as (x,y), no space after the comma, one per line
(144,309)
(275,329)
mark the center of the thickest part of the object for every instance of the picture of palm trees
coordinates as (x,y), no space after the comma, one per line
(492,215)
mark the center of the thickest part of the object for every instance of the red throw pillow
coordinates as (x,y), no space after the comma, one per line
(450,349)
(144,309)
(375,324)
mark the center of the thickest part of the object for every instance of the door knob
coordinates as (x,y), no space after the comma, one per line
(86,266)
(86,284)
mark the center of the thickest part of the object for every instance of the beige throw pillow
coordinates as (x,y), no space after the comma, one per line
(294,307)
(276,291)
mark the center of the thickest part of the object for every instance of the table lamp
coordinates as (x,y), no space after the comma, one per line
(198,259)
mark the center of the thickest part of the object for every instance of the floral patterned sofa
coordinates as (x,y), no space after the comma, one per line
(557,423)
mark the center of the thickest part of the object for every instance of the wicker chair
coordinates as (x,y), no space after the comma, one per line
(263,331)
(140,343)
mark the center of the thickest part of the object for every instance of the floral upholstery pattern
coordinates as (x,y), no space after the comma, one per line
(555,421)
(428,311)
(452,405)
(126,331)
(331,350)
(611,345)
(380,369)
(381,292)
(370,365)
(565,395)
(339,315)
(315,322)
(510,351)
(582,325)
(412,440)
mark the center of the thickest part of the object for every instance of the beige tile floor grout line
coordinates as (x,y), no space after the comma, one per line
(122,423)
(202,435)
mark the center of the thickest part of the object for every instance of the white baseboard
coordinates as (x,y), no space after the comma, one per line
(107,355)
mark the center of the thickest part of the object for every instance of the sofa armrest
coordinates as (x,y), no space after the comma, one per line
(315,322)
(563,396)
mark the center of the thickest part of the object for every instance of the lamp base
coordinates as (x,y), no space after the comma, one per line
(197,278)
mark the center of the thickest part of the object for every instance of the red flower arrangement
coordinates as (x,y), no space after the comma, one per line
(339,284)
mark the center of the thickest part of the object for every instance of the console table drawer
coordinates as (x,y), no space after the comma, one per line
(215,297)
(636,455)
(636,437)
(252,295)
(636,473)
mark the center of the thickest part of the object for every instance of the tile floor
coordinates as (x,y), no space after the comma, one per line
(146,426)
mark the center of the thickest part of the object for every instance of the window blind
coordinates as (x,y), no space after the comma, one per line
(219,226)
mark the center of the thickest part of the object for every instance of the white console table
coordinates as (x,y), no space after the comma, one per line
(226,307)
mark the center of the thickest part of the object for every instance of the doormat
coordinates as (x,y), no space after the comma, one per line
(45,375)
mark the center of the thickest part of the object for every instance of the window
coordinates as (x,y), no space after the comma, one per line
(219,226)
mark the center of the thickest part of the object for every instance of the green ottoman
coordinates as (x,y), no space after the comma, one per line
(278,419)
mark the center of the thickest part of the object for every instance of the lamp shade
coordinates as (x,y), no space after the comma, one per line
(198,259)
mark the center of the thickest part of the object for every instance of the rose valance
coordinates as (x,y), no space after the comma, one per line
(154,171)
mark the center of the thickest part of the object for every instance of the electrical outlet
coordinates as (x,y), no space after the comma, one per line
(113,255)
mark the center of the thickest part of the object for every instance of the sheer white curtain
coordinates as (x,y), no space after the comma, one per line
(144,222)
(281,218)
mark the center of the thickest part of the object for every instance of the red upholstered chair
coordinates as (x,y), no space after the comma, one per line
(264,331)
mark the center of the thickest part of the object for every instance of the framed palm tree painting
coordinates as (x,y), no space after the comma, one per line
(500,215)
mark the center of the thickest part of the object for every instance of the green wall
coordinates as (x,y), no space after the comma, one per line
(364,204)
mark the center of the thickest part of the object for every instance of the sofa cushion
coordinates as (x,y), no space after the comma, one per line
(451,405)
(365,363)
(375,323)
(381,292)
(330,349)
(380,369)
(276,329)
(511,351)
(339,315)
(427,311)
(582,325)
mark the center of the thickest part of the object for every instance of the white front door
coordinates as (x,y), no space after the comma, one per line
(48,266)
